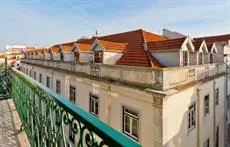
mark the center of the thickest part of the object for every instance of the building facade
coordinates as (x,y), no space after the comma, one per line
(159,91)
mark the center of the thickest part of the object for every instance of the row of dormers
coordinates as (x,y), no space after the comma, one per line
(117,49)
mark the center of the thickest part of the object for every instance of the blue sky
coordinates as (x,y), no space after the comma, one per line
(47,22)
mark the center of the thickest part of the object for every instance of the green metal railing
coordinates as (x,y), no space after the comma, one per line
(47,117)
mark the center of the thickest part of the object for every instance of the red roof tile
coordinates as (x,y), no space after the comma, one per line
(166,44)
(197,44)
(212,39)
(113,46)
(84,47)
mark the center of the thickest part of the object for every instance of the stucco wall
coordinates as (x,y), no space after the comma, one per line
(86,57)
(111,57)
(175,116)
(111,100)
(193,58)
(168,58)
(219,56)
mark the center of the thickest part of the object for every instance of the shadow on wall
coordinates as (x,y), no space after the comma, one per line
(182,137)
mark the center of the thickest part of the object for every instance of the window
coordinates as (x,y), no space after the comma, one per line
(30,73)
(72,94)
(217,96)
(27,72)
(71,134)
(98,56)
(48,82)
(62,56)
(211,58)
(206,105)
(185,58)
(35,75)
(40,78)
(76,56)
(206,143)
(94,105)
(200,58)
(191,117)
(58,87)
(130,123)
(217,136)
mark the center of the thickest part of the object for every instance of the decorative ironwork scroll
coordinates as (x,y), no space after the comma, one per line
(47,118)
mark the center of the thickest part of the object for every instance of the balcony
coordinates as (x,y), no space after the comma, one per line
(142,77)
(45,115)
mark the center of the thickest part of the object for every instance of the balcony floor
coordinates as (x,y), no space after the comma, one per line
(10,134)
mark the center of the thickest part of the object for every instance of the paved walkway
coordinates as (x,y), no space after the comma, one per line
(10,136)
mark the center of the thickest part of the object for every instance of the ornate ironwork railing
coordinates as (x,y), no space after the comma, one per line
(47,118)
(5,87)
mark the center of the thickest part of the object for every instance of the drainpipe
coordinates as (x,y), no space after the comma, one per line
(198,118)
(214,112)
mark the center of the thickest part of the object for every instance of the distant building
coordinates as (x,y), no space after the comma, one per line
(159,91)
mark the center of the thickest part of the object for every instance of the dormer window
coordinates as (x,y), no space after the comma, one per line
(211,58)
(98,56)
(76,54)
(185,58)
(201,58)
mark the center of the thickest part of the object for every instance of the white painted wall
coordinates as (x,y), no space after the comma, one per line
(111,100)
(168,58)
(193,59)
(68,56)
(111,57)
(158,128)
(175,116)
(86,57)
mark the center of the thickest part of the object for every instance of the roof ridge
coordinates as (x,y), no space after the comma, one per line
(120,33)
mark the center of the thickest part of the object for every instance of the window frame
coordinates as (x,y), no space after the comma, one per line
(93,102)
(35,75)
(40,78)
(206,107)
(191,111)
(200,58)
(185,58)
(131,118)
(48,81)
(217,96)
(211,58)
(58,87)
(72,98)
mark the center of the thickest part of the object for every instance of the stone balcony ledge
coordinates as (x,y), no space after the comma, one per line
(154,78)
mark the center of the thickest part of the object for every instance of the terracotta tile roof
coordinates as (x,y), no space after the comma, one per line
(55,48)
(197,44)
(2,56)
(166,44)
(113,46)
(209,46)
(84,47)
(67,48)
(134,53)
(212,39)
(149,37)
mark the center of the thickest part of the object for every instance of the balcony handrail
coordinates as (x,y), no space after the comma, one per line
(109,135)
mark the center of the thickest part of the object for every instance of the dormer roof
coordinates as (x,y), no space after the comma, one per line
(110,46)
(170,44)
